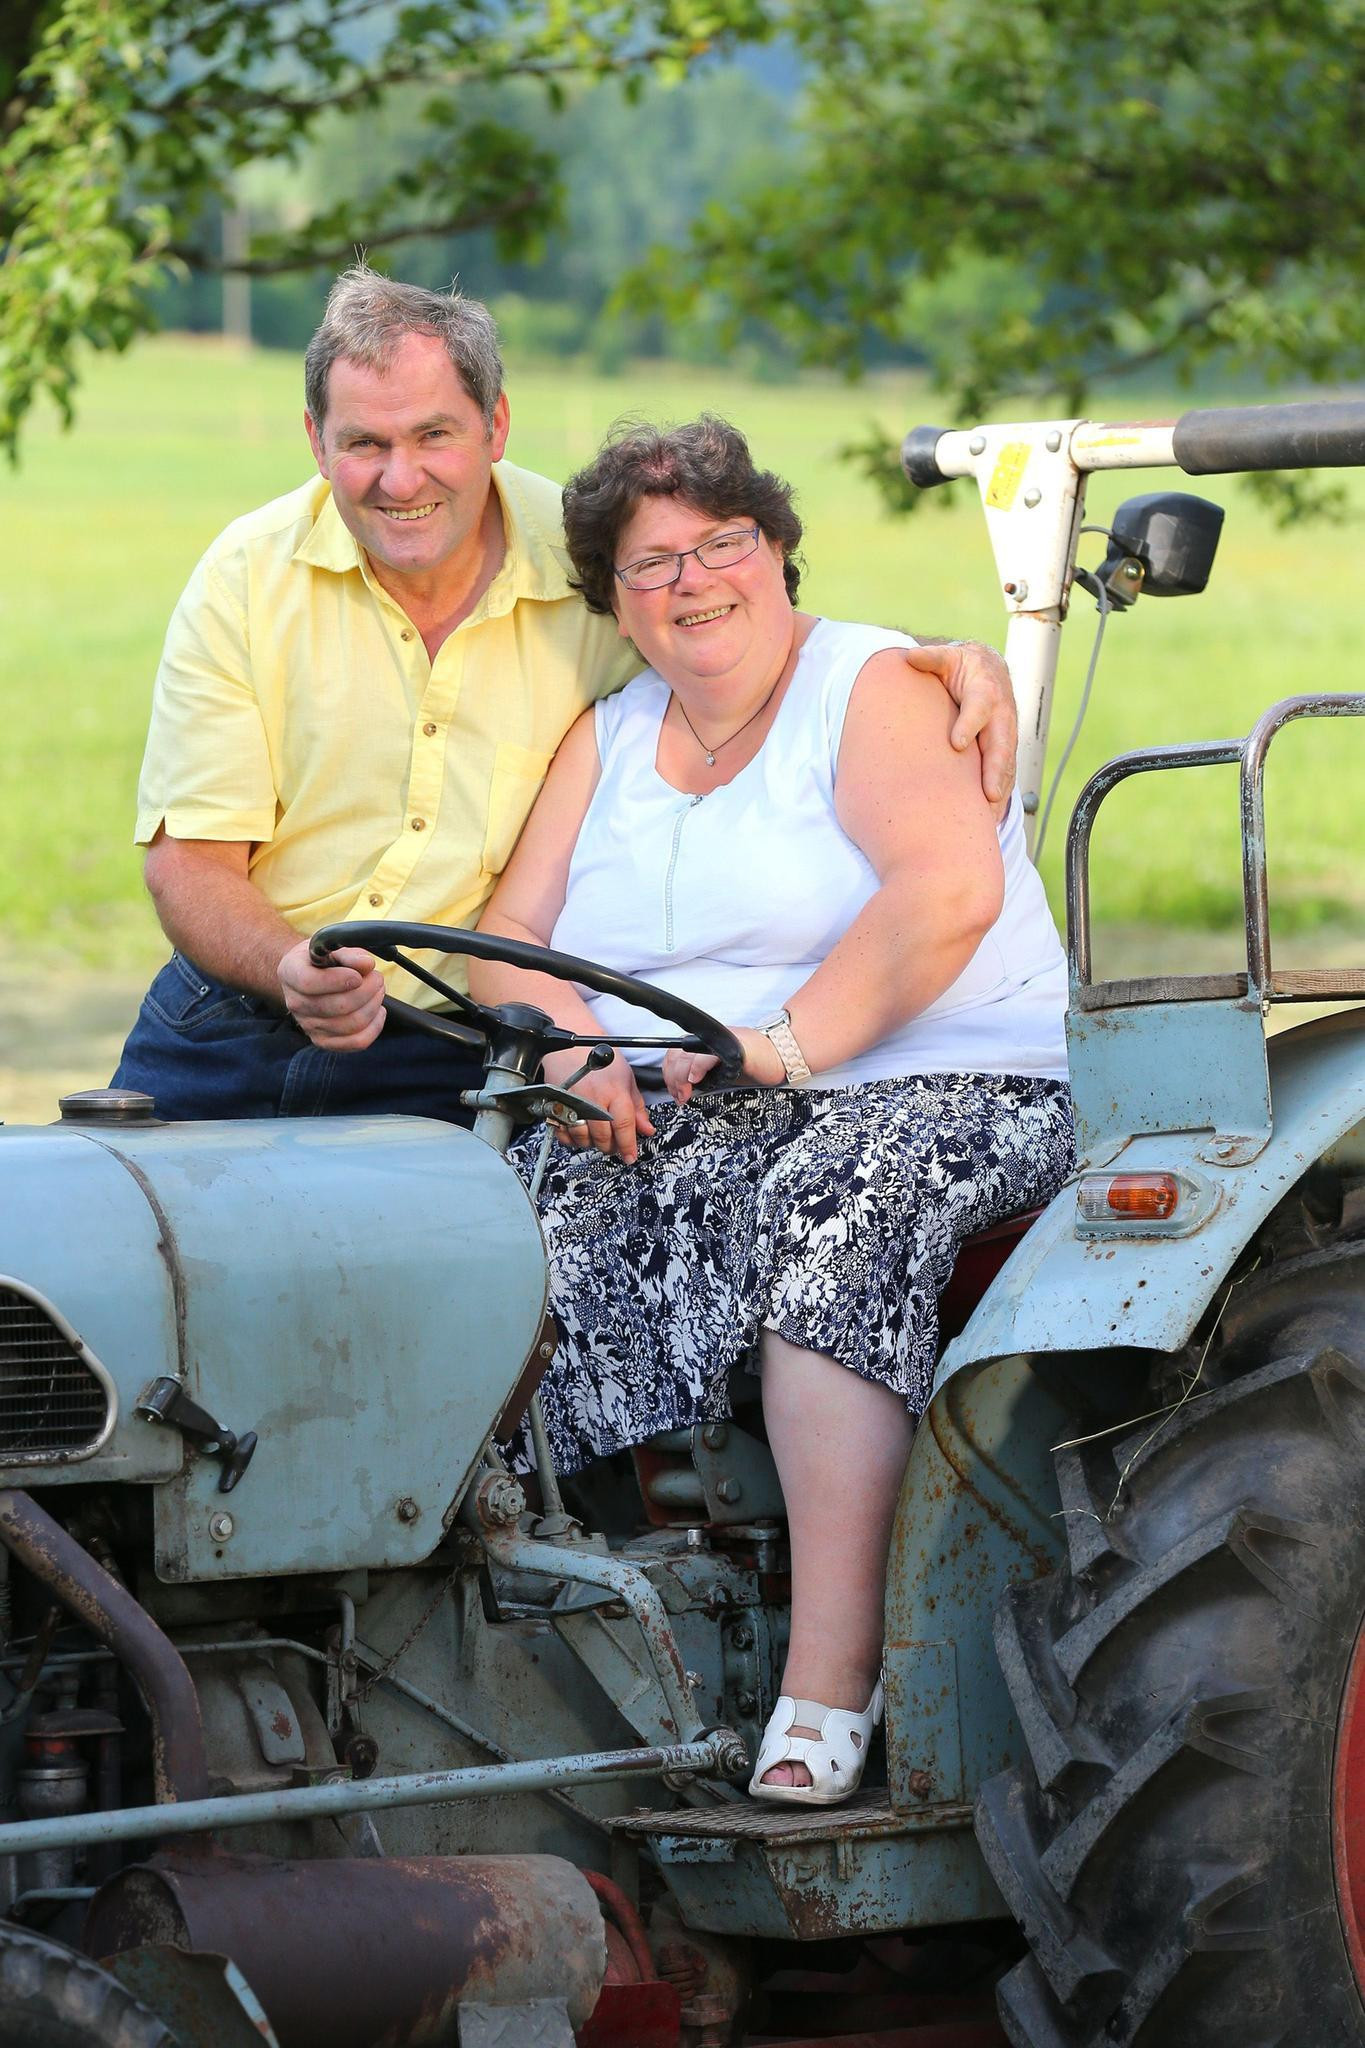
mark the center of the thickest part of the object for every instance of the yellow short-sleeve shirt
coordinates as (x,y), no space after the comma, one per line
(295,708)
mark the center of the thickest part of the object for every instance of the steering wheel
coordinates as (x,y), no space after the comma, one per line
(484,1025)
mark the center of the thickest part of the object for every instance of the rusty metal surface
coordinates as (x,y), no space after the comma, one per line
(112,1615)
(806,1874)
(866,1814)
(370,1953)
(204,1999)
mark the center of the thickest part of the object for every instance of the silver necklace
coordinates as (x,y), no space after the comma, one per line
(711,752)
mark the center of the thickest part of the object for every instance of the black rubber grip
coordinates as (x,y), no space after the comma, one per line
(1327,433)
(919,456)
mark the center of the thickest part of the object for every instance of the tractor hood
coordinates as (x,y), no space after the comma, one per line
(362,1293)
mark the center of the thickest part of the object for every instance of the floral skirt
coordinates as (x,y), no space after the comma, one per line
(832,1216)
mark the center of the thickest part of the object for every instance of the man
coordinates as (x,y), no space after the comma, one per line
(361,689)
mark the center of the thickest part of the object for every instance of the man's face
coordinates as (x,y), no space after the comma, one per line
(408,457)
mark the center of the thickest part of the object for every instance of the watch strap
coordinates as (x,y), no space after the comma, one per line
(779,1030)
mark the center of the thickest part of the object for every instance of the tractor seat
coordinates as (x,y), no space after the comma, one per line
(722,1473)
(979,1259)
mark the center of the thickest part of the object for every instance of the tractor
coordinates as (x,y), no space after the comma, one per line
(321,1727)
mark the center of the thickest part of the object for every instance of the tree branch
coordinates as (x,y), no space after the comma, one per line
(233,12)
(305,257)
(259,99)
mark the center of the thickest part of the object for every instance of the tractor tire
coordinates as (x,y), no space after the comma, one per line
(1185,1850)
(51,1997)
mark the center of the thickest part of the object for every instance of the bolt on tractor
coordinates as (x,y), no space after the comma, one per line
(318,1726)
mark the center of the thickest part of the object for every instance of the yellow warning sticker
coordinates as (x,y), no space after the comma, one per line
(1007,475)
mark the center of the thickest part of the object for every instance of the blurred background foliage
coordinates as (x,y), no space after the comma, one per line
(1024,196)
(1007,208)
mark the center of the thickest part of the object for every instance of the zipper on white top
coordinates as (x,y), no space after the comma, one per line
(690,805)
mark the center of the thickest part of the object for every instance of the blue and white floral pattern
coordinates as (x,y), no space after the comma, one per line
(832,1216)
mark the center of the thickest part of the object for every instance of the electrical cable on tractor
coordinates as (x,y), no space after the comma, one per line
(316,1727)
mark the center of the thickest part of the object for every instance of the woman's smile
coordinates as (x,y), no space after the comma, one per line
(704,618)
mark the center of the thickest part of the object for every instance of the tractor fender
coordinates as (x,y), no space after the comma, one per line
(978,1507)
(1063,1292)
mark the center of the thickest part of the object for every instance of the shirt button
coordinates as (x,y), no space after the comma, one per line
(429,729)
(375,902)
(419,824)
(405,635)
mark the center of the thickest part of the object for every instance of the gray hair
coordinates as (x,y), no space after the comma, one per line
(366,317)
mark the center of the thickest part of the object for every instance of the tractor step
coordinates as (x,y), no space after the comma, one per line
(808,1873)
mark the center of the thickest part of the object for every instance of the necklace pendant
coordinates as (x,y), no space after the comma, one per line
(710,760)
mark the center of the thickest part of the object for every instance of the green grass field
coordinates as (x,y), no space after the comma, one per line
(101,526)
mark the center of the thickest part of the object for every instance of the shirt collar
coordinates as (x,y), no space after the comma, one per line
(329,542)
(535,564)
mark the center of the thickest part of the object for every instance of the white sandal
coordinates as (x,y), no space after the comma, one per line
(835,1759)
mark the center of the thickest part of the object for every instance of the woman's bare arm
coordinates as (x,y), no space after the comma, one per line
(916,809)
(525,905)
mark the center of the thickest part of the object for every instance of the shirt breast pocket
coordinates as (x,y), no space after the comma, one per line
(517,775)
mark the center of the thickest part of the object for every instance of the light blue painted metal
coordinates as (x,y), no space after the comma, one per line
(661,1697)
(1168,1067)
(1168,1054)
(715,1755)
(1062,1292)
(76,1230)
(349,1275)
(977,1510)
(321,1282)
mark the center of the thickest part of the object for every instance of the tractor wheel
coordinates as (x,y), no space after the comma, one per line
(1186,1852)
(51,1997)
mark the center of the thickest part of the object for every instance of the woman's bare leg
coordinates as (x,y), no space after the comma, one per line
(840,1444)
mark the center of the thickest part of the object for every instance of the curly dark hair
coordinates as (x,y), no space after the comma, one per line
(706,463)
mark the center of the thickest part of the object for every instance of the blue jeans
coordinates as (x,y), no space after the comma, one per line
(200,1049)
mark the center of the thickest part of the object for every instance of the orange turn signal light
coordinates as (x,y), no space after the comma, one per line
(1136,1197)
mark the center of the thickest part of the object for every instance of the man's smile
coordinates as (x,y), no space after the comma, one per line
(410,512)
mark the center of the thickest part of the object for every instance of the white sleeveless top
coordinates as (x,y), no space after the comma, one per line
(733,899)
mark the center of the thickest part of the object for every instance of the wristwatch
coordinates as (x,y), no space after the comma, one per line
(779,1030)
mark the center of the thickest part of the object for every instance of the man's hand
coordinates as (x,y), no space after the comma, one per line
(978,682)
(340,1007)
(615,1089)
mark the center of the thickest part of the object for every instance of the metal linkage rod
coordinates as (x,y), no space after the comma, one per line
(719,1754)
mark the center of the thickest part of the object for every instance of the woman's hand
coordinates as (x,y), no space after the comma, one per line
(615,1089)
(684,1071)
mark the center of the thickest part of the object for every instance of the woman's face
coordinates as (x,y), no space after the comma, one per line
(711,623)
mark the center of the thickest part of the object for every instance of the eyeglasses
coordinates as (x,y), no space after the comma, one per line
(722,551)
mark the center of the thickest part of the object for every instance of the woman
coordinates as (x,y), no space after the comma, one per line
(771,822)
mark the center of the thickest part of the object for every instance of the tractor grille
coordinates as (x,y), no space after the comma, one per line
(51,1403)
